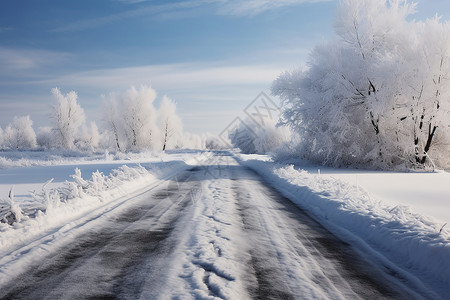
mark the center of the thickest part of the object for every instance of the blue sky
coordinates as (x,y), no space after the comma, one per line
(212,57)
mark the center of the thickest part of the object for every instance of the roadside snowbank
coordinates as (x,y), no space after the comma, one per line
(416,243)
(53,207)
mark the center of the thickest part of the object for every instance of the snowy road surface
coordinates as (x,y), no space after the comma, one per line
(214,231)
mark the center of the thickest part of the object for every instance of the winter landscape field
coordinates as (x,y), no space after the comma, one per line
(185,166)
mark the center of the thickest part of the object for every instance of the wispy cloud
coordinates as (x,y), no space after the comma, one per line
(170,76)
(209,95)
(5,28)
(16,60)
(145,10)
(237,8)
(254,7)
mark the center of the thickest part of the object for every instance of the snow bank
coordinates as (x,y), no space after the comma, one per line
(76,198)
(407,239)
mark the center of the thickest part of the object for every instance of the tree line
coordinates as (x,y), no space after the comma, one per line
(130,122)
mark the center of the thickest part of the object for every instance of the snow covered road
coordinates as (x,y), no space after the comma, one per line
(214,231)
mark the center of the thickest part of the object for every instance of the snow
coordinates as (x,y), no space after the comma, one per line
(425,193)
(206,264)
(70,196)
(386,218)
(381,213)
(29,170)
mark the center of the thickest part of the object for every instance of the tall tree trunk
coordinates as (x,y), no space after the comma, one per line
(431,133)
(165,136)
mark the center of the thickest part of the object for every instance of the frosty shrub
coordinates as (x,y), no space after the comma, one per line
(78,187)
(10,211)
(378,94)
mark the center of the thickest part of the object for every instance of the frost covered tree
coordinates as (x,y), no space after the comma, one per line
(19,135)
(89,138)
(243,137)
(250,137)
(44,137)
(113,123)
(67,116)
(377,95)
(25,137)
(130,120)
(171,127)
(1,139)
(8,137)
(214,143)
(139,118)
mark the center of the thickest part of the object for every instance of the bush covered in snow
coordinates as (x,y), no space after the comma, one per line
(378,94)
(251,137)
(47,200)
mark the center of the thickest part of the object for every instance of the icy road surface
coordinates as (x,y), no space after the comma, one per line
(215,231)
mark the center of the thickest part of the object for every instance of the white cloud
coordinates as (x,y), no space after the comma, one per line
(208,95)
(18,60)
(239,8)
(140,11)
(170,76)
(255,7)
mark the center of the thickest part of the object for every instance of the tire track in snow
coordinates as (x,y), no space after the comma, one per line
(294,257)
(211,258)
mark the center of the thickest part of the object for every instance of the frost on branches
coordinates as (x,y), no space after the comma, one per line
(259,138)
(133,123)
(378,94)
(67,117)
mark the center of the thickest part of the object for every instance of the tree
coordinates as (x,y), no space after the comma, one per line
(25,137)
(89,138)
(264,138)
(45,137)
(170,124)
(378,94)
(135,120)
(9,137)
(19,135)
(67,116)
(113,122)
(2,143)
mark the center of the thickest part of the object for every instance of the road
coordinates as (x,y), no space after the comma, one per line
(214,231)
